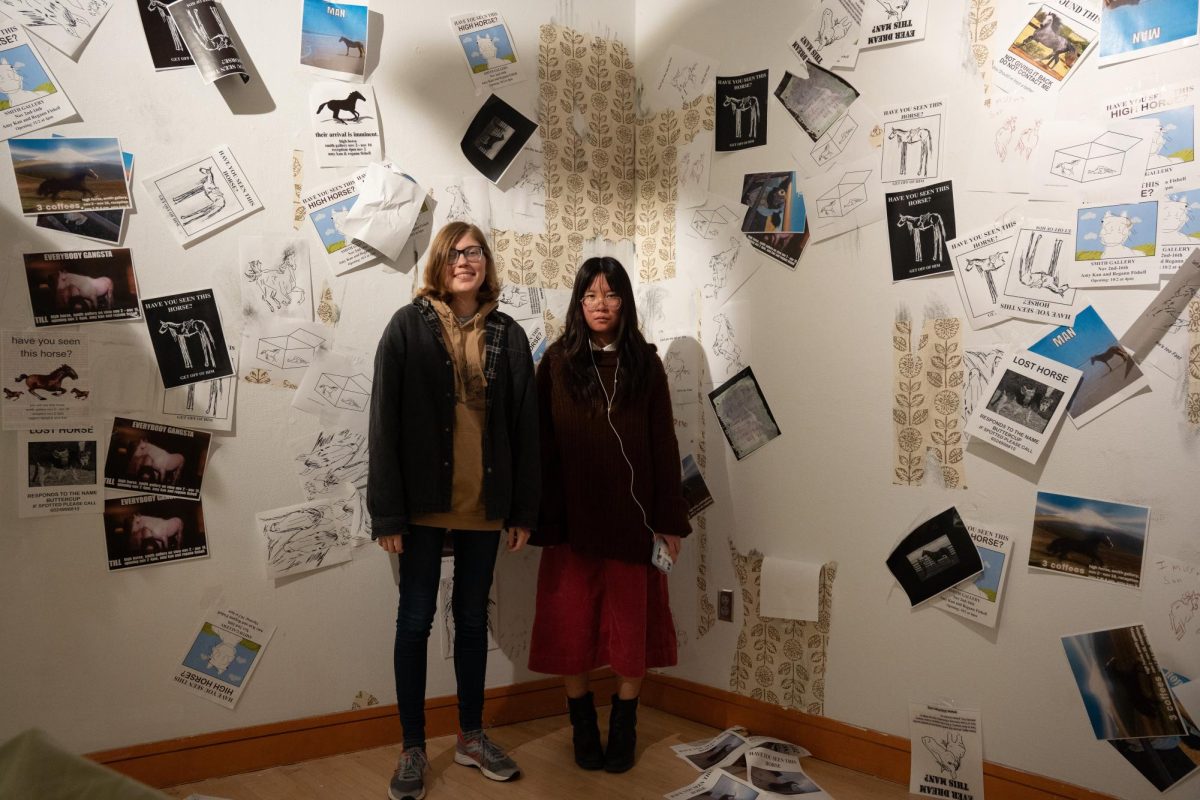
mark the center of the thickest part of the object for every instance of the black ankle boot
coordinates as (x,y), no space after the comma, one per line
(622,735)
(585,732)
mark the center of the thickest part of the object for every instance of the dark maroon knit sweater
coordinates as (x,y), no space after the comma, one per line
(586,498)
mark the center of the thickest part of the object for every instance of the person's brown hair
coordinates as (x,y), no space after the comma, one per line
(437,282)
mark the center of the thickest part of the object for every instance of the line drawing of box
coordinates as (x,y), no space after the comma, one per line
(707,222)
(290,351)
(1103,157)
(849,193)
(351,392)
(833,142)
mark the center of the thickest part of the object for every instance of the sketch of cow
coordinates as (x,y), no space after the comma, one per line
(278,284)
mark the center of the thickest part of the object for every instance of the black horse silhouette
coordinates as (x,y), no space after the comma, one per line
(352,45)
(52,186)
(1062,547)
(338,106)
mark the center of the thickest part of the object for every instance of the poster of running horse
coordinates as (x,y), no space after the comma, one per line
(45,379)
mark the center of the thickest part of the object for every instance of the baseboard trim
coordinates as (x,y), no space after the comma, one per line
(863,750)
(213,755)
(232,752)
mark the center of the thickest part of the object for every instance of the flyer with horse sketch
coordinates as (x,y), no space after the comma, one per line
(50,376)
(201,196)
(70,287)
(224,653)
(206,33)
(61,468)
(152,457)
(189,342)
(145,529)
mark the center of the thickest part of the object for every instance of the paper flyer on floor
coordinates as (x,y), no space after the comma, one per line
(947,752)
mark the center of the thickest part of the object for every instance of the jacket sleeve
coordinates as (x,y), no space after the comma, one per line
(669,514)
(552,524)
(385,474)
(526,457)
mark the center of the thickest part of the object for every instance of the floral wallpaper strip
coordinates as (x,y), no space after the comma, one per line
(659,138)
(1193,376)
(927,401)
(780,661)
(586,114)
(981,29)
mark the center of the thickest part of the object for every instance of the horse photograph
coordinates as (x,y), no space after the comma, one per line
(1023,400)
(87,286)
(333,37)
(1049,43)
(65,463)
(935,556)
(69,174)
(145,529)
(149,457)
(1096,539)
(1110,374)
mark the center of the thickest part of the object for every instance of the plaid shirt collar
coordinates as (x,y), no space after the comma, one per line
(493,344)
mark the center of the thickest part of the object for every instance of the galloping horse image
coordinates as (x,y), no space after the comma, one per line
(51,383)
(51,187)
(338,106)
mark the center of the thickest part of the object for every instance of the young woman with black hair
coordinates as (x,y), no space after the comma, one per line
(453,449)
(612,490)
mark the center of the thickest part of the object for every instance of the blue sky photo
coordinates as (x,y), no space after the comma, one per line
(197,658)
(1179,129)
(498,36)
(323,219)
(319,20)
(1087,513)
(1174,19)
(1145,222)
(32,72)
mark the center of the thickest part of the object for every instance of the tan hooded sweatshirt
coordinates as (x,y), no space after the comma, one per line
(465,341)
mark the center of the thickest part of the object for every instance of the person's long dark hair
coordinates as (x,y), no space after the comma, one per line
(634,351)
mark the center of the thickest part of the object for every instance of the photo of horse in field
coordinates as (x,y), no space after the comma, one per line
(1094,539)
(69,174)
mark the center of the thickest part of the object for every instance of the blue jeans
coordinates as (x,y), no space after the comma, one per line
(474,561)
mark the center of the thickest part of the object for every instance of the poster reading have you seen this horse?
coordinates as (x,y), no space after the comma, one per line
(45,380)
(189,343)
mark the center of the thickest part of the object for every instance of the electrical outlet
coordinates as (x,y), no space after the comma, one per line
(725,605)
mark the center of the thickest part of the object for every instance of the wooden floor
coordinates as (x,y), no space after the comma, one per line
(542,748)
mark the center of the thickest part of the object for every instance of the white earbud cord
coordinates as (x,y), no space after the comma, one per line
(608,401)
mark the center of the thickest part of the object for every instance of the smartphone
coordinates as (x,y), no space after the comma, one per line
(662,556)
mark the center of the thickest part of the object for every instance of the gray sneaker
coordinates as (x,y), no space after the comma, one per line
(474,749)
(408,781)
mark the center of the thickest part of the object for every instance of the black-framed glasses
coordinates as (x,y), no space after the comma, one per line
(593,301)
(472,253)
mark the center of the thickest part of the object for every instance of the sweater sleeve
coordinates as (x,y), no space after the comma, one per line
(670,509)
(385,474)
(551,529)
(526,456)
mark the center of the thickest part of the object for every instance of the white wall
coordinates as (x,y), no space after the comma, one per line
(89,654)
(820,340)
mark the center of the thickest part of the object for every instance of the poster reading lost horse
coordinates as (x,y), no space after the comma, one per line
(46,380)
(189,343)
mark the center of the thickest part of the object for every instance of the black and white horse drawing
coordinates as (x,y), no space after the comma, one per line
(338,106)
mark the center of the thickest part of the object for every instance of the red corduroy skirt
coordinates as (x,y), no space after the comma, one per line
(597,611)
